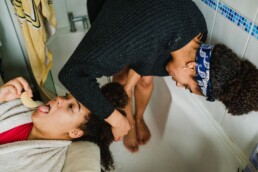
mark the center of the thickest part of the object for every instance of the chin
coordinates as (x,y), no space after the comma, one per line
(35,116)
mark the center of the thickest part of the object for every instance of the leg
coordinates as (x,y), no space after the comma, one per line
(130,140)
(142,95)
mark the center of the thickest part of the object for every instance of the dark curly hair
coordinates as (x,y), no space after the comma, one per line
(99,131)
(234,81)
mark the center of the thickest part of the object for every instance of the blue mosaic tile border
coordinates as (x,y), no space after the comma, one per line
(255,31)
(235,17)
(211,3)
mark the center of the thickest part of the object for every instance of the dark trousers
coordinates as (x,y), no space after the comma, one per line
(94,7)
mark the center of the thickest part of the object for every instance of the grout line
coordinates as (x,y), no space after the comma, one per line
(225,112)
(250,34)
(231,14)
(214,20)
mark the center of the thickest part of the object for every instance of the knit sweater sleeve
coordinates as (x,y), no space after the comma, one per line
(85,89)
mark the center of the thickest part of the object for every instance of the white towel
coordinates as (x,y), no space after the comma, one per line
(31,155)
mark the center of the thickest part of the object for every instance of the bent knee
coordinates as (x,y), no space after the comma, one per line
(145,81)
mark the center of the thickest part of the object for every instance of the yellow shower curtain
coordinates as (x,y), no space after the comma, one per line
(37,21)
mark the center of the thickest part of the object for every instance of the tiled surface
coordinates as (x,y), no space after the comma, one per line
(211,3)
(252,50)
(209,15)
(229,34)
(234,24)
(242,130)
(232,15)
(245,7)
(242,17)
(255,31)
(216,109)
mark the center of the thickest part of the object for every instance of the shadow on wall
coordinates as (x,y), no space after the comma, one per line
(160,104)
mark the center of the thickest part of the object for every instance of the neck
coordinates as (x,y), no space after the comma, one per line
(34,134)
(187,53)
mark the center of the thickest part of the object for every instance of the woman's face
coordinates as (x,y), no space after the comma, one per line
(182,66)
(60,118)
(184,76)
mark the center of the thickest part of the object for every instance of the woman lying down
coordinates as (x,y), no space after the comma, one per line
(62,119)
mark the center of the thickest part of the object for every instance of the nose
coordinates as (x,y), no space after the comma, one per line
(60,100)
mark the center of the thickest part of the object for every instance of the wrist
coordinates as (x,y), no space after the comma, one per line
(114,119)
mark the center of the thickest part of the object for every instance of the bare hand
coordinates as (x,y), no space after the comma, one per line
(13,89)
(120,125)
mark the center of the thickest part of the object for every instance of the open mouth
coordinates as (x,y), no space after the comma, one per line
(44,108)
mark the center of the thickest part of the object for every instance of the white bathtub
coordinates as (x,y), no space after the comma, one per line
(185,136)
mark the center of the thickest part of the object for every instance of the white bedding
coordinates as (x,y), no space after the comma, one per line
(82,157)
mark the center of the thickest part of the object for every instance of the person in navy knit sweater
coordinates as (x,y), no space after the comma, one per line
(136,36)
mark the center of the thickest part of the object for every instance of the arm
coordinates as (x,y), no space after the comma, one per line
(84,87)
(13,89)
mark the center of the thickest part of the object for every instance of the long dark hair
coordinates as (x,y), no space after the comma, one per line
(99,131)
(234,81)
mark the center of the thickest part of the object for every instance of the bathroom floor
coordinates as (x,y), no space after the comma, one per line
(182,141)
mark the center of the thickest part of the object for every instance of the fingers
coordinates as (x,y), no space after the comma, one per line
(25,85)
(20,84)
(119,125)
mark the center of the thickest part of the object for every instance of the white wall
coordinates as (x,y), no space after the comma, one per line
(243,130)
(62,7)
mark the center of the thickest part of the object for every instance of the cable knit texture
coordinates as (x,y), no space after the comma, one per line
(135,33)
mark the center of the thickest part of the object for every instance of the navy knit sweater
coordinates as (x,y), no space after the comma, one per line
(139,34)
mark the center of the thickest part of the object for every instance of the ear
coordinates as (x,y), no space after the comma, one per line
(75,133)
(191,65)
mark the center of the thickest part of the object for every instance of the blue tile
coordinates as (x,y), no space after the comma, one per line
(234,16)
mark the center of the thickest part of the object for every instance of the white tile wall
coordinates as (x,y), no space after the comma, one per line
(209,15)
(245,7)
(242,130)
(252,50)
(229,34)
